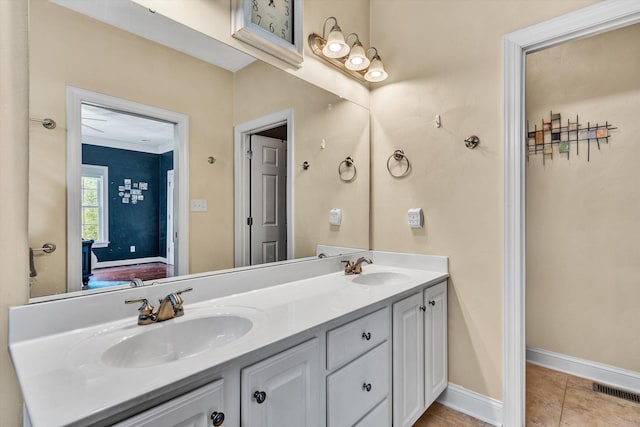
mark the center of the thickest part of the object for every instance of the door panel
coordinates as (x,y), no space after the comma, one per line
(268,199)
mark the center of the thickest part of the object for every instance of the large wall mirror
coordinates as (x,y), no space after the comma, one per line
(147,147)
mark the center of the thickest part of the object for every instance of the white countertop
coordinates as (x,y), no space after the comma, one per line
(63,380)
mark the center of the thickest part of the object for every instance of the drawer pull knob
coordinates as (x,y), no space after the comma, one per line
(366,336)
(217,418)
(423,308)
(366,387)
(432,302)
(260,396)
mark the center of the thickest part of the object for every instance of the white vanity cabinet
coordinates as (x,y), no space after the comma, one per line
(283,390)
(358,392)
(419,352)
(203,407)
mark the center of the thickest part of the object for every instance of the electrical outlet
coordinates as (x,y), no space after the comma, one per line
(132,248)
(198,205)
(415,217)
(335,216)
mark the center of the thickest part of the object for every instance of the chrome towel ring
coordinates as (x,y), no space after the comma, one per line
(400,157)
(345,166)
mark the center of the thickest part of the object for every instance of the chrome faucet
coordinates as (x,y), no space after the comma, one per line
(356,267)
(170,307)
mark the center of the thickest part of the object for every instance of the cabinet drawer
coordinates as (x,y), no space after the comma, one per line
(358,387)
(194,409)
(379,417)
(347,342)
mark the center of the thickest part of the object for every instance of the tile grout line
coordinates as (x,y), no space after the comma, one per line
(564,397)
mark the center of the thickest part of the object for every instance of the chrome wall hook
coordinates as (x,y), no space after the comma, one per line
(472,142)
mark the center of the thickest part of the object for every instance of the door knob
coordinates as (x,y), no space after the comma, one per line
(217,418)
(260,396)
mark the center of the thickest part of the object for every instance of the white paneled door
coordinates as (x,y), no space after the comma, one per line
(268,199)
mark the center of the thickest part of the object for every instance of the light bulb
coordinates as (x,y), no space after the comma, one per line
(357,58)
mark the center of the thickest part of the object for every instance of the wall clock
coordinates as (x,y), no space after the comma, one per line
(274,26)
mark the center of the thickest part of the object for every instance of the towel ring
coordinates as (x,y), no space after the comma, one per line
(399,156)
(345,165)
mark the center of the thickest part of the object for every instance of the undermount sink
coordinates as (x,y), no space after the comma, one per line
(381,278)
(175,339)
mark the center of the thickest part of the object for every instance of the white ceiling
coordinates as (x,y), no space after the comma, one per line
(110,128)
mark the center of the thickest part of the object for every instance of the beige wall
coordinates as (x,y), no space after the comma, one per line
(69,49)
(582,217)
(445,57)
(318,115)
(212,17)
(14,142)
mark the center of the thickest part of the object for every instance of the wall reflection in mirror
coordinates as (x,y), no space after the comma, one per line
(126,208)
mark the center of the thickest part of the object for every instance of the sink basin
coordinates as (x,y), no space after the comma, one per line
(381,278)
(175,339)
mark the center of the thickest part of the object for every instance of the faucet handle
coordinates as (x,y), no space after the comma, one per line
(177,307)
(145,312)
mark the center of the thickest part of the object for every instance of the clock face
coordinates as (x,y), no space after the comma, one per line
(275,16)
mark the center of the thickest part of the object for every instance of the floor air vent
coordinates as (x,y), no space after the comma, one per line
(615,392)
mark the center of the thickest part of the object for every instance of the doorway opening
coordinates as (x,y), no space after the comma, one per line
(126,159)
(263,196)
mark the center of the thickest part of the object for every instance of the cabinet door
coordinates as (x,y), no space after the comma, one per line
(408,360)
(283,390)
(200,408)
(436,379)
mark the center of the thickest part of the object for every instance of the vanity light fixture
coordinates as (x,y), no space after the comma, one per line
(336,46)
(350,58)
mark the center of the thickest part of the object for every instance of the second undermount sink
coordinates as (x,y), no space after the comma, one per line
(175,339)
(381,278)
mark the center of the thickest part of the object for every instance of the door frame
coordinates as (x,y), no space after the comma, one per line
(241,135)
(592,20)
(75,98)
(170,224)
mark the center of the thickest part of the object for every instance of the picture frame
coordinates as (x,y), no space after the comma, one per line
(277,32)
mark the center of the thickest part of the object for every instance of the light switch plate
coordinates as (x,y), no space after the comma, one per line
(415,218)
(335,216)
(198,205)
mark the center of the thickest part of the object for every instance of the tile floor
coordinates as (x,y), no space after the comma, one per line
(553,399)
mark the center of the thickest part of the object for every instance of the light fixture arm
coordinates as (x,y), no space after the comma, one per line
(356,42)
(324,26)
(375,55)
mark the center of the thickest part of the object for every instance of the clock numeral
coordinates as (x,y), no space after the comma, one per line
(254,5)
(286,11)
(284,35)
(259,18)
(271,27)
(286,25)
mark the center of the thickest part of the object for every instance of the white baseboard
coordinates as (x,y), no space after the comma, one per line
(471,403)
(599,372)
(133,261)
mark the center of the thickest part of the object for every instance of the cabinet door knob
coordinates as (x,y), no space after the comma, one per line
(217,418)
(260,396)
(366,336)
(366,387)
(423,308)
(432,303)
